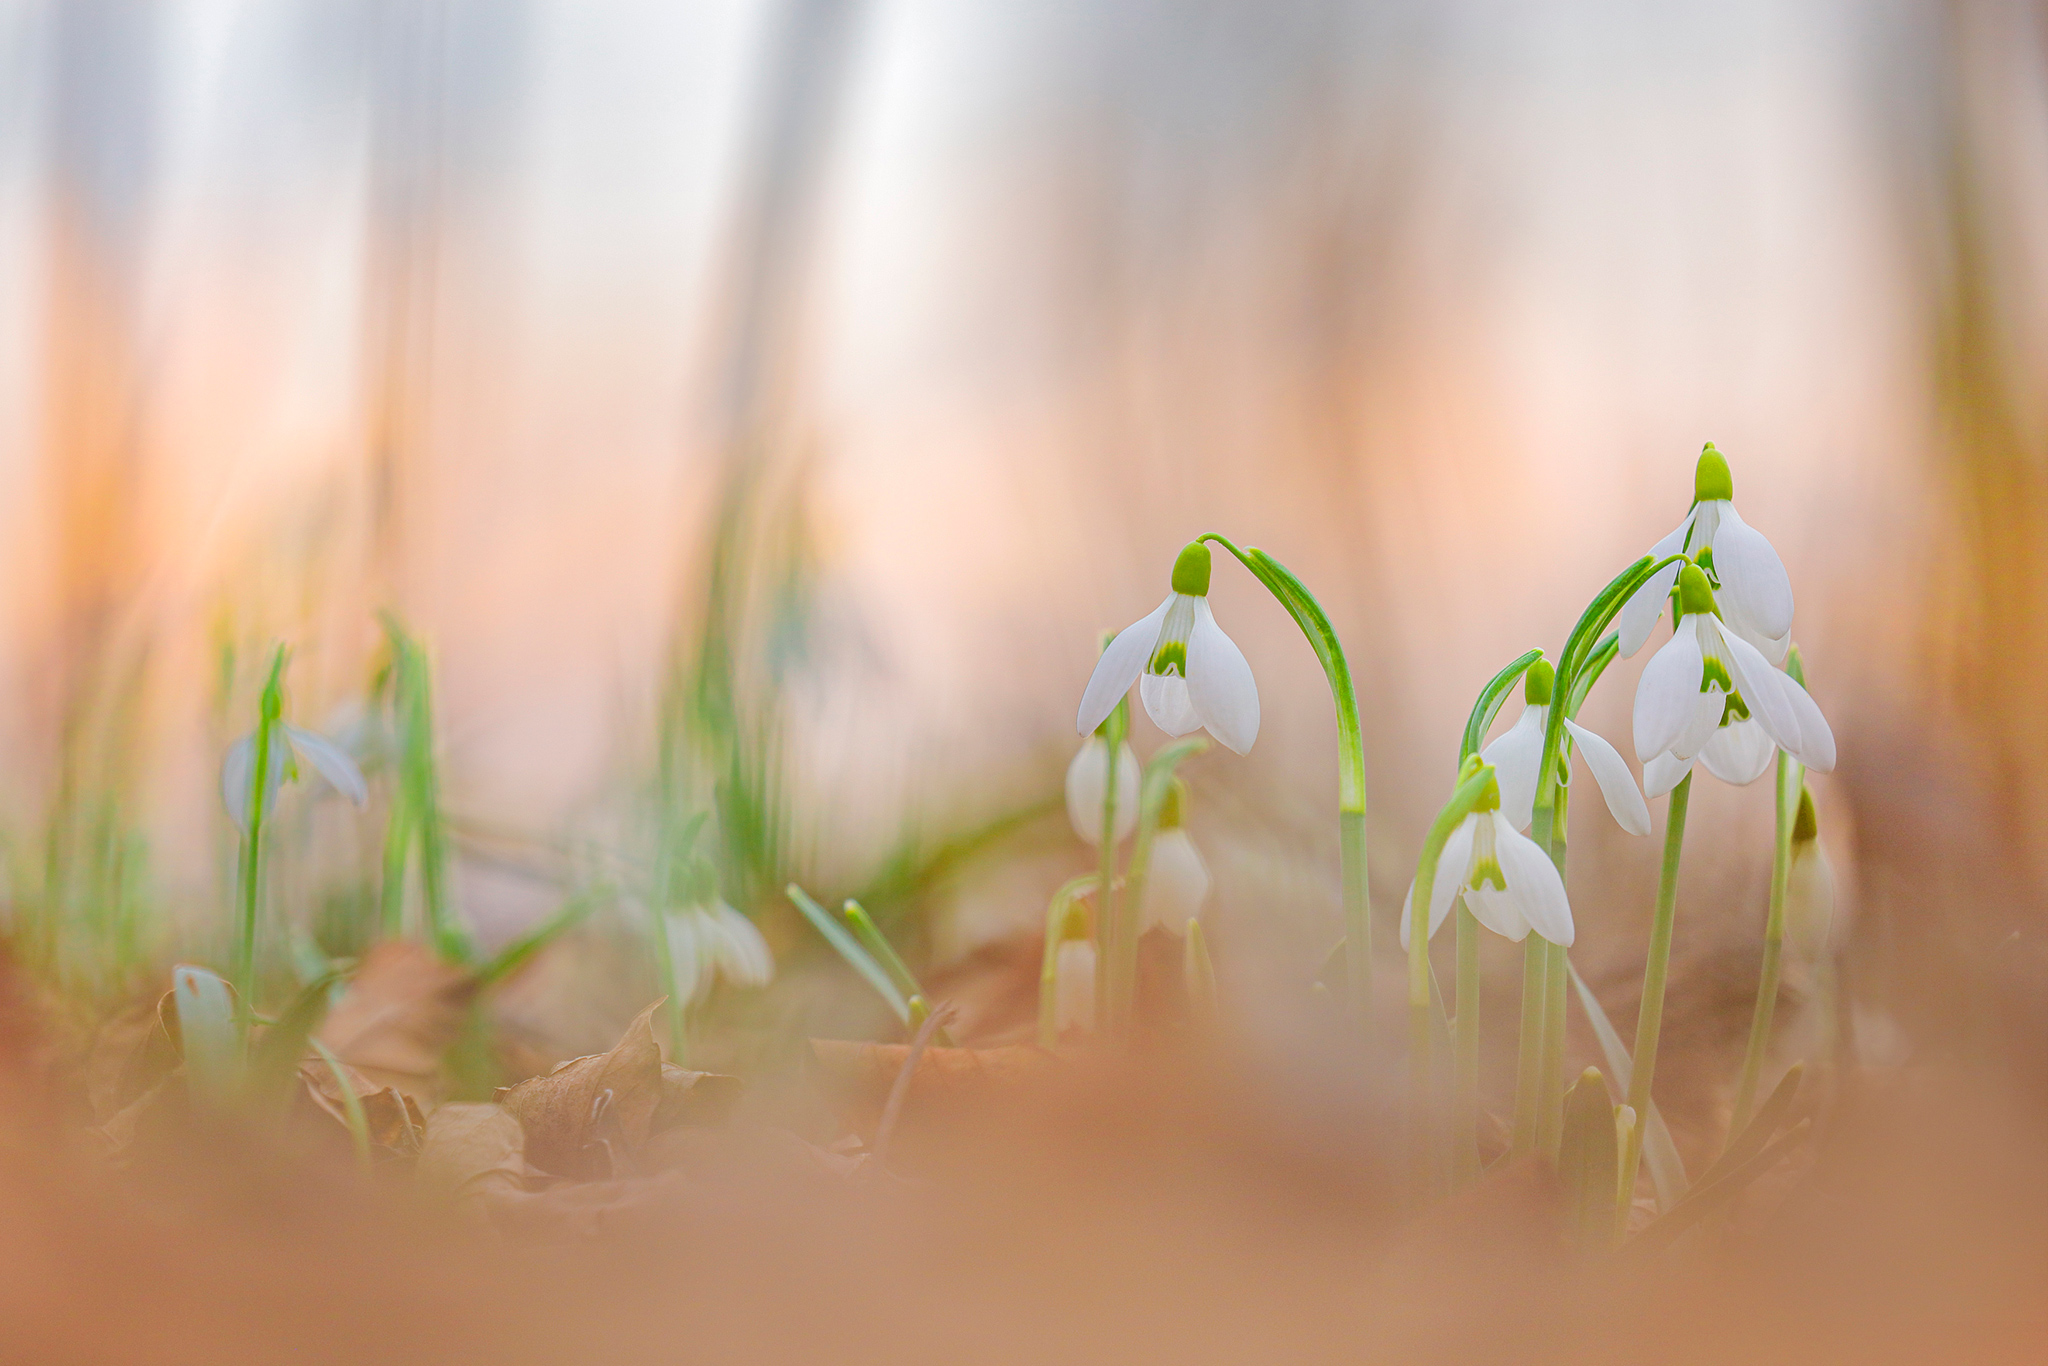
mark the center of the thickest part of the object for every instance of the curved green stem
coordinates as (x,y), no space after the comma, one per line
(1113,730)
(1476,781)
(1529,1056)
(1315,625)
(1465,1054)
(269,719)
(1650,1019)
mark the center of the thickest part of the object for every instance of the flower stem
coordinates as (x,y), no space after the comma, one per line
(1529,1058)
(1650,1019)
(1049,965)
(1551,1091)
(1476,779)
(1308,614)
(1465,1055)
(1113,731)
(1788,780)
(270,713)
(1122,964)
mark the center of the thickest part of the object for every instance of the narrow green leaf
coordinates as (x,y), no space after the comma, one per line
(1586,1161)
(351,1104)
(1488,704)
(855,956)
(522,950)
(1667,1169)
(276,1058)
(1769,1117)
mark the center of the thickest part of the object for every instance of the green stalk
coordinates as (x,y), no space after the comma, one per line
(1465,1054)
(1122,966)
(1113,730)
(1315,625)
(883,952)
(1650,1020)
(1791,774)
(1529,1057)
(1551,1091)
(269,715)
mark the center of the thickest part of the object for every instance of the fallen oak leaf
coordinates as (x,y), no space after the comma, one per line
(694,1099)
(473,1153)
(394,1119)
(403,1008)
(590,1115)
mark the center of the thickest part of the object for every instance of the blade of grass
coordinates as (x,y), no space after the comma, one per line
(351,1103)
(856,957)
(522,950)
(1667,1169)
(276,1058)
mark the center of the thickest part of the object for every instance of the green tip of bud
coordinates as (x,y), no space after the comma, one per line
(1074,923)
(1172,807)
(1191,570)
(1469,770)
(1711,481)
(1695,594)
(1538,683)
(1805,826)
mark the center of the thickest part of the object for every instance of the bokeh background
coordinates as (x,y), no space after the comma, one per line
(799,386)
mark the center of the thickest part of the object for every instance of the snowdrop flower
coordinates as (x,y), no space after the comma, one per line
(1177,883)
(238,769)
(1188,672)
(1074,975)
(708,939)
(1088,784)
(1509,883)
(1809,887)
(1707,680)
(1756,596)
(1518,754)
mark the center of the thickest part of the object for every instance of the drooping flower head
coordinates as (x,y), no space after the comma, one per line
(1177,883)
(1809,887)
(1190,674)
(1088,787)
(1517,757)
(1707,682)
(1508,882)
(289,744)
(1074,974)
(1756,595)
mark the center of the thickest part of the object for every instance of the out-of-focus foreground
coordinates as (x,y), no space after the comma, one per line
(692,449)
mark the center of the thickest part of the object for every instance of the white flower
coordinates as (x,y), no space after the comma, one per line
(1074,986)
(1509,883)
(1176,884)
(1707,679)
(1189,673)
(1809,887)
(1518,753)
(711,939)
(1755,596)
(238,769)
(1088,782)
(1739,753)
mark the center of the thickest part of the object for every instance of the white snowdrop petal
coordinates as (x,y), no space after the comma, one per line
(1074,986)
(1119,667)
(237,771)
(688,960)
(1220,683)
(1739,753)
(743,954)
(332,762)
(1816,738)
(1752,574)
(1638,616)
(1498,912)
(1663,773)
(1515,757)
(1452,866)
(1708,709)
(1088,777)
(1176,884)
(1809,901)
(1668,693)
(1533,884)
(1617,784)
(1168,704)
(1763,688)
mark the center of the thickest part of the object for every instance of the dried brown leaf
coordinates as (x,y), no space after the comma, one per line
(857,1077)
(590,1115)
(402,1010)
(394,1119)
(473,1153)
(130,1056)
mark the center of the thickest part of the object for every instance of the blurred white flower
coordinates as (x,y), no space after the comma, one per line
(711,939)
(1756,594)
(1074,986)
(1088,782)
(1518,753)
(1809,887)
(1176,884)
(1509,883)
(238,769)
(1707,678)
(1190,674)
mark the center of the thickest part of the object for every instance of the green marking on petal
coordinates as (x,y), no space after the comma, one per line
(1538,683)
(1711,481)
(1172,657)
(1191,570)
(1736,710)
(1486,873)
(1716,672)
